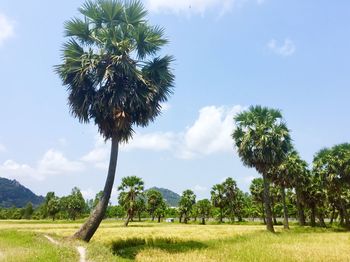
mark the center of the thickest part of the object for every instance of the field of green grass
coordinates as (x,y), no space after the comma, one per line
(25,241)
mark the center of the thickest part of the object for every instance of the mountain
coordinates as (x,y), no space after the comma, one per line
(12,193)
(169,196)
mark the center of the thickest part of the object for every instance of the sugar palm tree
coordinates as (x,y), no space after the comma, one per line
(332,165)
(256,189)
(114,78)
(284,176)
(263,142)
(204,209)
(187,201)
(131,189)
(218,199)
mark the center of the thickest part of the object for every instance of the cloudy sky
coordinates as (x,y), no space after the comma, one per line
(291,55)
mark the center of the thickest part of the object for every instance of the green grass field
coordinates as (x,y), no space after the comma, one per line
(25,241)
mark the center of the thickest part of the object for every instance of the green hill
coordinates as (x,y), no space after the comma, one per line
(12,193)
(169,196)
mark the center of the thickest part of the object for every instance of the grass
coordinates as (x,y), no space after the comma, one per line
(174,242)
(20,246)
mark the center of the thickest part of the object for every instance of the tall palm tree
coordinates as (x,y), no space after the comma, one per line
(131,188)
(263,142)
(114,78)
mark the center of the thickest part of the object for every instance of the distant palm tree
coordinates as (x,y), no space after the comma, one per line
(263,142)
(256,189)
(284,176)
(131,189)
(219,200)
(186,203)
(332,165)
(114,77)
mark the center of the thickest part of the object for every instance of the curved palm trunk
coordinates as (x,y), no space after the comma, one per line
(285,210)
(88,229)
(268,211)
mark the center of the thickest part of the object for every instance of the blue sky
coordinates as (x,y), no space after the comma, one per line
(230,54)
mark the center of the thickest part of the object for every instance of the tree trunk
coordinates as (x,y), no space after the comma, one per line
(273,210)
(159,219)
(285,210)
(312,216)
(126,223)
(88,229)
(346,215)
(332,216)
(203,221)
(321,219)
(268,212)
(139,216)
(263,213)
(341,214)
(221,215)
(301,215)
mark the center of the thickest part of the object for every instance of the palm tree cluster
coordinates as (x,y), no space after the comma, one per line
(263,142)
(135,200)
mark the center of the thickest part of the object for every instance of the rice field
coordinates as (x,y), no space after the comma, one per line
(145,241)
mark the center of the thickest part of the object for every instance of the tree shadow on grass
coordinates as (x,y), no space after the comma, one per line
(129,248)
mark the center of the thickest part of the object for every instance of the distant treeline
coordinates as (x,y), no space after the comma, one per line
(227,204)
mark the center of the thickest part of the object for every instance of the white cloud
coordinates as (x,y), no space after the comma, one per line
(6,29)
(211,132)
(52,163)
(288,48)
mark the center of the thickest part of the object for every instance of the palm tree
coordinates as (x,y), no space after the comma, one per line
(204,209)
(333,166)
(187,201)
(284,177)
(218,199)
(154,200)
(114,78)
(256,189)
(233,198)
(263,142)
(131,188)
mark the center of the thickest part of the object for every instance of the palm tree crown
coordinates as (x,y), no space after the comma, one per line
(110,67)
(261,137)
